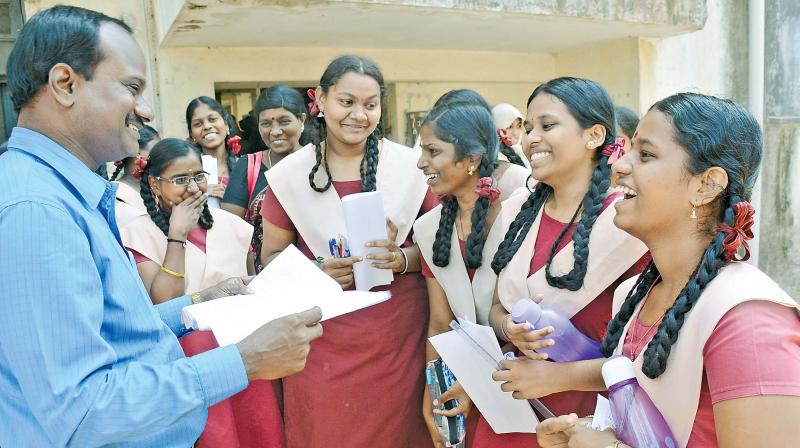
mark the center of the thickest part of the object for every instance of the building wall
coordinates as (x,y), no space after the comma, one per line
(419,77)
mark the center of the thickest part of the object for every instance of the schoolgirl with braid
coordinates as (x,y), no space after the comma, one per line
(362,383)
(127,177)
(181,246)
(714,340)
(215,133)
(458,239)
(560,242)
(510,168)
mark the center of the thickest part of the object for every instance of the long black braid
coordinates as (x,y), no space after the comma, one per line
(590,105)
(592,207)
(470,129)
(714,133)
(162,154)
(118,170)
(511,155)
(520,227)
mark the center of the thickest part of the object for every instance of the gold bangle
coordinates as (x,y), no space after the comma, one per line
(196,298)
(173,273)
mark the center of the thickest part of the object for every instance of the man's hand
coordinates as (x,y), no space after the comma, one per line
(231,287)
(280,347)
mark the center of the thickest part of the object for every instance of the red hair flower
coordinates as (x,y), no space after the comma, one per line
(614,150)
(313,109)
(141,164)
(502,135)
(235,143)
(485,189)
(738,235)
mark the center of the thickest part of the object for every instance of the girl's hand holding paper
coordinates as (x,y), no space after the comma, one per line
(394,258)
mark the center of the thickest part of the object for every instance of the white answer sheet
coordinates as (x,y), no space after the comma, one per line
(365,220)
(503,413)
(289,284)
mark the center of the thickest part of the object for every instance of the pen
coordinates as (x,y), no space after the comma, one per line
(332,247)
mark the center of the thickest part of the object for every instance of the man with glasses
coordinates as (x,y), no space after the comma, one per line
(85,358)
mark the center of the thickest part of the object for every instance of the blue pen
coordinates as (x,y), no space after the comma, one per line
(332,247)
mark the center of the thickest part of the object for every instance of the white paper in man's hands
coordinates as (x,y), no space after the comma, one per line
(210,167)
(289,284)
(503,413)
(365,220)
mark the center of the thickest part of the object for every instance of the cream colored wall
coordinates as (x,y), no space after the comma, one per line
(712,60)
(614,64)
(419,75)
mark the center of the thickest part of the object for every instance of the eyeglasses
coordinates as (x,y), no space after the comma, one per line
(180,181)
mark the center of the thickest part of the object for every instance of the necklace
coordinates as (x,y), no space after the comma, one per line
(269,159)
(648,334)
(460,224)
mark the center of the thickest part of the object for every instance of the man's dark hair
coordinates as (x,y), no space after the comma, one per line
(61,34)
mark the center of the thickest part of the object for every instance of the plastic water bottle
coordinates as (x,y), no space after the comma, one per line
(637,421)
(570,343)
(440,379)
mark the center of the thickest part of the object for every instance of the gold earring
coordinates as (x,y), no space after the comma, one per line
(694,212)
(471,170)
(590,144)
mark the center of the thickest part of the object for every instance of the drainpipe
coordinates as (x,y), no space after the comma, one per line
(756,26)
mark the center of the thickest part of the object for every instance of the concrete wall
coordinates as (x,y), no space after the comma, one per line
(419,77)
(781,168)
(615,65)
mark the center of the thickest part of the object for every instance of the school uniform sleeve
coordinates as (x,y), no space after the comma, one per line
(236,192)
(754,350)
(273,211)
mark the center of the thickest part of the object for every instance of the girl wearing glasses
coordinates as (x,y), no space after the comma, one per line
(182,246)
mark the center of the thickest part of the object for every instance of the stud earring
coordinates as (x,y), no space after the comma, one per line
(694,212)
(471,170)
(590,144)
(321,114)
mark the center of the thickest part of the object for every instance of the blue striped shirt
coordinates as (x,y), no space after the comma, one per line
(85,358)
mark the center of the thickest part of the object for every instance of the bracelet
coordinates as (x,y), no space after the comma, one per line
(173,273)
(196,298)
(405,261)
(319,262)
(173,240)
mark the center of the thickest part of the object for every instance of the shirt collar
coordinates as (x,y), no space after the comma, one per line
(90,186)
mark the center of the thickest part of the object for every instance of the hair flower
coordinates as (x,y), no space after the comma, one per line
(614,150)
(502,135)
(485,189)
(313,109)
(738,235)
(235,144)
(141,164)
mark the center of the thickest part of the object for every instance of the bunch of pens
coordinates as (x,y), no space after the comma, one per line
(338,247)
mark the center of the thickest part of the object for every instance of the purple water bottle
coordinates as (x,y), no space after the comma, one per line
(570,343)
(637,421)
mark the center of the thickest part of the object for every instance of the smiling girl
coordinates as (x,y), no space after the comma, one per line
(210,128)
(714,341)
(560,242)
(459,238)
(363,382)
